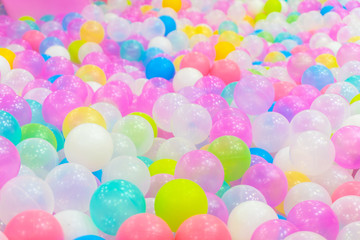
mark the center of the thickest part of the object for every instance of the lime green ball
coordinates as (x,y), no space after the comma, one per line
(163,166)
(292,17)
(272,6)
(74,50)
(254,71)
(36,130)
(234,155)
(267,36)
(149,119)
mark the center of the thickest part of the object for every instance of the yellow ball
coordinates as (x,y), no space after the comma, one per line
(74,50)
(223,49)
(82,115)
(177,62)
(91,73)
(8,55)
(204,30)
(92,31)
(327,60)
(205,148)
(189,31)
(146,8)
(294,178)
(272,6)
(354,39)
(273,57)
(250,20)
(231,37)
(162,166)
(174,4)
(178,200)
(149,119)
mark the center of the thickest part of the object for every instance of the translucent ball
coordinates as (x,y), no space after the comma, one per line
(164,108)
(92,31)
(270,131)
(39,155)
(4,66)
(123,146)
(70,83)
(192,122)
(305,191)
(346,210)
(153,27)
(37,95)
(213,103)
(87,48)
(227,70)
(90,145)
(57,51)
(312,153)
(318,76)
(25,193)
(31,61)
(109,112)
(289,106)
(310,120)
(297,65)
(160,67)
(16,106)
(138,130)
(241,58)
(9,127)
(254,94)
(162,43)
(130,169)
(118,29)
(174,148)
(126,201)
(75,224)
(350,231)
(344,89)
(9,160)
(335,107)
(179,40)
(274,229)
(17,79)
(300,235)
(202,167)
(132,50)
(244,214)
(157,181)
(186,77)
(348,52)
(72,185)
(239,194)
(346,189)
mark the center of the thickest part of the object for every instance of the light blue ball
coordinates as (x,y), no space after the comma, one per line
(262,153)
(89,237)
(132,50)
(318,76)
(48,42)
(36,110)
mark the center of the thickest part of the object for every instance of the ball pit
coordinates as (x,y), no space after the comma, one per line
(179,119)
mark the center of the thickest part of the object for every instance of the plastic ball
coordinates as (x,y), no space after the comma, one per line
(176,4)
(34,224)
(24,193)
(227,70)
(73,49)
(297,65)
(163,166)
(162,43)
(132,50)
(274,229)
(348,52)
(89,237)
(318,76)
(4,66)
(243,222)
(185,199)
(300,235)
(8,55)
(239,194)
(58,66)
(118,29)
(350,231)
(310,120)
(217,207)
(169,22)
(92,31)
(233,154)
(186,77)
(90,145)
(269,180)
(126,201)
(315,216)
(160,67)
(9,161)
(31,61)
(123,146)
(213,103)
(153,27)
(9,127)
(179,40)
(109,112)
(91,73)
(196,60)
(39,155)
(17,79)
(70,83)
(174,148)
(158,180)
(203,226)
(346,189)
(346,210)
(191,122)
(88,48)
(36,130)
(223,49)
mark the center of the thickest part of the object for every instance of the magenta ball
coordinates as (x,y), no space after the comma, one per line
(269,180)
(213,103)
(31,61)
(16,106)
(57,66)
(110,47)
(315,216)
(9,161)
(71,83)
(306,92)
(289,106)
(233,126)
(231,112)
(276,229)
(58,104)
(96,58)
(202,167)
(210,84)
(217,207)
(346,141)
(6,90)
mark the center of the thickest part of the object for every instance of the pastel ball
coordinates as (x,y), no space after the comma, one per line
(318,76)
(9,161)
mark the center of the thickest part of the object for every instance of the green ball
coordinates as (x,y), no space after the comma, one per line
(267,36)
(234,155)
(36,130)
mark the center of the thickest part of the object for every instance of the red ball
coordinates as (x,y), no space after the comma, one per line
(196,60)
(227,70)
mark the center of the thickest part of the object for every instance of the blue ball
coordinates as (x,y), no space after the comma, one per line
(170,24)
(318,76)
(48,42)
(132,50)
(326,9)
(150,54)
(45,57)
(354,80)
(114,202)
(9,127)
(53,78)
(36,110)
(262,153)
(68,18)
(89,237)
(98,174)
(146,160)
(160,67)
(281,217)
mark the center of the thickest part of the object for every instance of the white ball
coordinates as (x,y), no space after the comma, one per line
(161,42)
(174,148)
(179,40)
(347,210)
(304,235)
(118,29)
(110,113)
(123,146)
(4,67)
(57,51)
(350,232)
(94,85)
(154,148)
(87,48)
(90,145)
(282,160)
(17,79)
(38,94)
(186,77)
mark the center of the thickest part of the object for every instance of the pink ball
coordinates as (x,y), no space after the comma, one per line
(297,65)
(346,189)
(232,126)
(254,94)
(31,61)
(231,112)
(2,236)
(210,84)
(34,224)
(144,226)
(6,90)
(96,58)
(203,226)
(309,5)
(315,216)
(206,48)
(16,106)
(157,181)
(9,161)
(269,180)
(74,26)
(227,70)
(202,167)
(62,35)
(217,207)
(192,93)
(196,60)
(352,5)
(213,103)
(113,68)
(346,141)
(348,52)
(276,229)
(37,83)
(58,104)
(57,66)
(306,92)
(34,37)
(71,83)
(289,106)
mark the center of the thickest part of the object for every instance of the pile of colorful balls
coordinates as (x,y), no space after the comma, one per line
(180,119)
